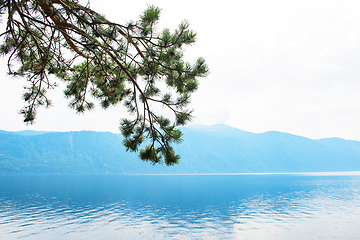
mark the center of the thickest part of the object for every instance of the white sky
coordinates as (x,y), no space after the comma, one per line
(289,66)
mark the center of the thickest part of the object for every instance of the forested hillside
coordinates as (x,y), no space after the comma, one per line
(206,149)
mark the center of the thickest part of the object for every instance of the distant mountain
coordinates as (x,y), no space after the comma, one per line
(30,132)
(206,149)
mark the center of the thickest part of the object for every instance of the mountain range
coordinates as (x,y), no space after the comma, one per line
(206,149)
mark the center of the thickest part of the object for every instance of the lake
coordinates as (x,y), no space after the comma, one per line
(255,206)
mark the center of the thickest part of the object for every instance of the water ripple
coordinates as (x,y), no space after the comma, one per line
(321,208)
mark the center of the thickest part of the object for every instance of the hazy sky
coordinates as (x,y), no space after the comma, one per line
(290,66)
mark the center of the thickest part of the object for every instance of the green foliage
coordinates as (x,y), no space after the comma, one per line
(105,61)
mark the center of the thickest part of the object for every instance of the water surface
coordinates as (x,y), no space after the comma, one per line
(180,206)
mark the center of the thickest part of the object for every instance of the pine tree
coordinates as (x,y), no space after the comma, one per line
(109,62)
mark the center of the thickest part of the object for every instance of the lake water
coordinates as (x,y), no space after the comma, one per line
(293,206)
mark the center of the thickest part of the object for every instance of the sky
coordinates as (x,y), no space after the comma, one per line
(288,66)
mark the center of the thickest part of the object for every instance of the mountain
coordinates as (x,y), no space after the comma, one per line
(206,149)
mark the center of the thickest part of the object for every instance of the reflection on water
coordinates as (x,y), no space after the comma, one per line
(179,207)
